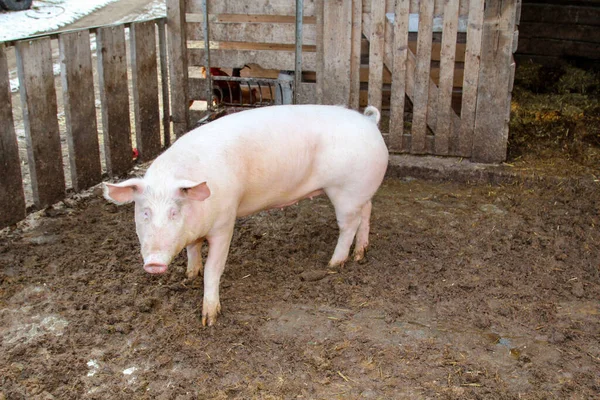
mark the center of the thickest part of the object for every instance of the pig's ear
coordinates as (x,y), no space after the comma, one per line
(124,192)
(193,190)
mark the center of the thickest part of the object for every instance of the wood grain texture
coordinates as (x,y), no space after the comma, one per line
(337,23)
(376,50)
(446,80)
(38,99)
(145,89)
(178,65)
(253,32)
(490,136)
(464,138)
(80,109)
(355,54)
(114,99)
(272,7)
(421,91)
(399,58)
(12,198)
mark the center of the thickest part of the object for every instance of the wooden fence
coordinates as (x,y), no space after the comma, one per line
(36,59)
(553,31)
(442,70)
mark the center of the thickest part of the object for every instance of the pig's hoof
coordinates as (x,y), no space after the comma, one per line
(210,313)
(191,275)
(337,263)
(359,254)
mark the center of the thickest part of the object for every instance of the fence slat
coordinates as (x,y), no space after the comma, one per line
(114,97)
(421,91)
(355,54)
(252,32)
(178,65)
(38,99)
(399,54)
(442,132)
(337,23)
(376,50)
(80,109)
(471,80)
(12,198)
(145,89)
(268,7)
(490,136)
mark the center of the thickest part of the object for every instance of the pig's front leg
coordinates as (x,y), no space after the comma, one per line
(194,259)
(218,248)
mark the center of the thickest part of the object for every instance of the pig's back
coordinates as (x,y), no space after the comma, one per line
(279,153)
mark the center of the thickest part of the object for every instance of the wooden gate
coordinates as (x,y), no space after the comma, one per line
(62,133)
(441,71)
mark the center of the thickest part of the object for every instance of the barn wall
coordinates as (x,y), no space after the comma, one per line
(554,31)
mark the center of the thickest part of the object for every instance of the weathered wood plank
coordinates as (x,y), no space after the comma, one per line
(355,54)
(145,89)
(376,50)
(114,98)
(254,18)
(268,59)
(442,132)
(12,198)
(80,109)
(272,7)
(252,32)
(399,57)
(337,23)
(464,138)
(178,65)
(560,14)
(490,136)
(421,91)
(319,57)
(38,99)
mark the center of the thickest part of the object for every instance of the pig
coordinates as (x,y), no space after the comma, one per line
(260,159)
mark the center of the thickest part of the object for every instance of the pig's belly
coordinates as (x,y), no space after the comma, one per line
(252,204)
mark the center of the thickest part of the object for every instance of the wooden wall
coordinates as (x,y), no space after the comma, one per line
(551,31)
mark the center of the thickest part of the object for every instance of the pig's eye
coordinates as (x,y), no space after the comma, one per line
(173,213)
(146,214)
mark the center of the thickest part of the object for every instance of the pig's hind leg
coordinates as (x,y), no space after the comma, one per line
(362,235)
(194,259)
(348,212)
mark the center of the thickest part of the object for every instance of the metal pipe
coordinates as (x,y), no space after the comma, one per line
(209,88)
(164,78)
(298,65)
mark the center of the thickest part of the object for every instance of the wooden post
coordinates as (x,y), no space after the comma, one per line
(12,198)
(447,56)
(337,24)
(462,142)
(80,109)
(178,66)
(376,51)
(114,97)
(145,89)
(493,99)
(38,98)
(355,54)
(399,57)
(422,78)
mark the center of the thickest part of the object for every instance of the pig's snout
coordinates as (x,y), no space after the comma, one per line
(155,268)
(156,264)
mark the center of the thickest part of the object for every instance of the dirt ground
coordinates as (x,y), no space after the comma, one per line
(468,291)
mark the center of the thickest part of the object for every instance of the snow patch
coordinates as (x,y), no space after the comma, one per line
(46,15)
(93,366)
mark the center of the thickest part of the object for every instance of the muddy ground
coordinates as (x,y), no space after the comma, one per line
(468,291)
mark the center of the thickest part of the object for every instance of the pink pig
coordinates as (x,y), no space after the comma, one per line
(254,160)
